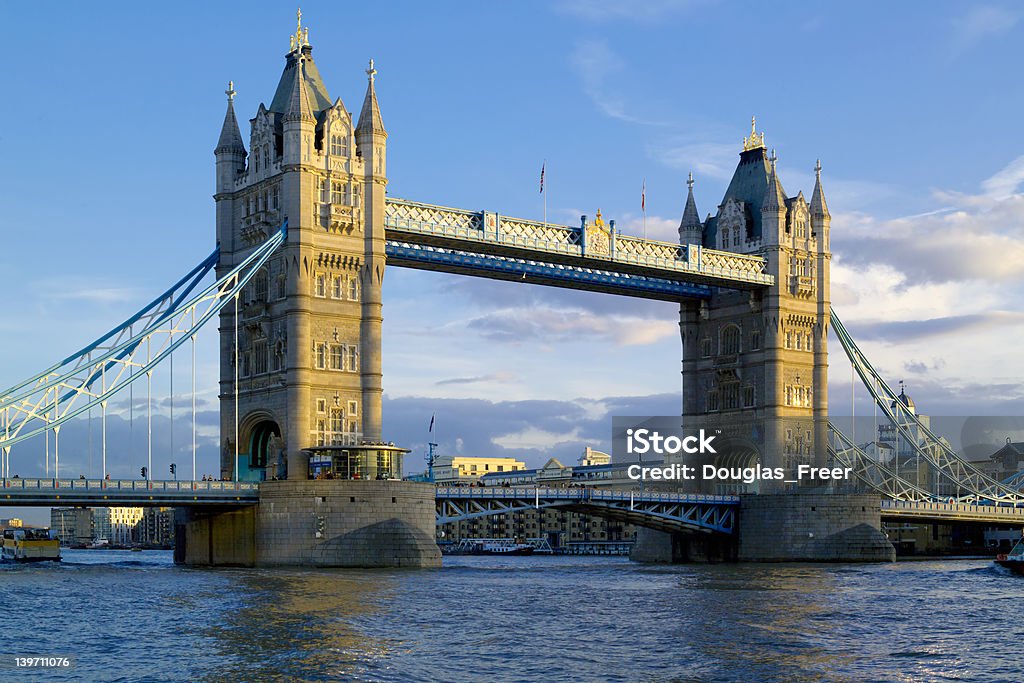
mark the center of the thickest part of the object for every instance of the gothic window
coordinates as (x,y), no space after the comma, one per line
(353,359)
(259,357)
(260,287)
(256,162)
(789,340)
(337,357)
(725,238)
(337,287)
(353,289)
(280,287)
(789,399)
(321,405)
(353,410)
(277,197)
(729,344)
(748,397)
(245,364)
(736,238)
(278,357)
(338,145)
(731,396)
(337,193)
(799,342)
(320,356)
(713,403)
(321,429)
(321,285)
(337,425)
(755,340)
(705,347)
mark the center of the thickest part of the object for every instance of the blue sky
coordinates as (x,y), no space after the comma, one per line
(111,112)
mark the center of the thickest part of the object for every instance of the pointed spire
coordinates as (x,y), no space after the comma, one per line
(298,106)
(774,198)
(691,219)
(819,209)
(230,138)
(369,118)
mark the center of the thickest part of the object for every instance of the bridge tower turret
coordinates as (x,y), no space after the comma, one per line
(371,143)
(230,154)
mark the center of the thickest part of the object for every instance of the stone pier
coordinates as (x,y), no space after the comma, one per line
(333,523)
(789,527)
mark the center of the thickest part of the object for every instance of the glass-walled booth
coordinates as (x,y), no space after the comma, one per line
(366,461)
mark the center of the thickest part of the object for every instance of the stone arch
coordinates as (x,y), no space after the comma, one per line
(258,434)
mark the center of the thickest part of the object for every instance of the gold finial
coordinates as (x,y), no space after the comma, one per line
(756,139)
(301,37)
(230,92)
(371,72)
(598,221)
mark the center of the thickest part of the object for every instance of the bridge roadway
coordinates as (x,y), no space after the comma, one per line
(912,511)
(127,493)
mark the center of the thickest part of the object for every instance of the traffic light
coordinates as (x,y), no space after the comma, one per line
(144,471)
(174,468)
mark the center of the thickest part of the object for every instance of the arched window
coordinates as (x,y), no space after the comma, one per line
(729,342)
(261,287)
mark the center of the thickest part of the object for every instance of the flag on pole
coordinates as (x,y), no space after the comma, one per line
(542,176)
(431,428)
(643,196)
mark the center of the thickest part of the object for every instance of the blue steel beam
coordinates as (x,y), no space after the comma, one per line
(491,266)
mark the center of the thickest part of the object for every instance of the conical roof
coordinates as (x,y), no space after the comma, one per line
(230,138)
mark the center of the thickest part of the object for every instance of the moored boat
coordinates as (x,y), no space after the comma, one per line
(1013,560)
(30,545)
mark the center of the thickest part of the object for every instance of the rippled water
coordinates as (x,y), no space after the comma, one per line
(136,617)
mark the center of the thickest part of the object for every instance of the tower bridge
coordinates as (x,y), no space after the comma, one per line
(305,231)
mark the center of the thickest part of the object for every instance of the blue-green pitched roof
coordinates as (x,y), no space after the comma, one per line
(749,185)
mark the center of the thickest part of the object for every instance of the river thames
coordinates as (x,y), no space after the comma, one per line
(125,616)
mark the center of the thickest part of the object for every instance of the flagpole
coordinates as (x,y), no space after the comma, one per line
(544,191)
(643,205)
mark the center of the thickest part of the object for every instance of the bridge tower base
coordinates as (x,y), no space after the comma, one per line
(332,523)
(812,527)
(785,527)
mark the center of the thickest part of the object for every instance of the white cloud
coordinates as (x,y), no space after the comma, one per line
(1006,181)
(704,158)
(533,438)
(530,324)
(981,22)
(595,62)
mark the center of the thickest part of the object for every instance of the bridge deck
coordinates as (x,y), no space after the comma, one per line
(125,493)
(442,238)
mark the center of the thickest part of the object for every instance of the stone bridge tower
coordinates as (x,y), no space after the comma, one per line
(308,354)
(756,365)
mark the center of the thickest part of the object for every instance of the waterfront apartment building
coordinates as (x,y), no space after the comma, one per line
(564,530)
(72,525)
(458,469)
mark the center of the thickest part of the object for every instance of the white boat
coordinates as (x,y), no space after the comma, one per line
(30,545)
